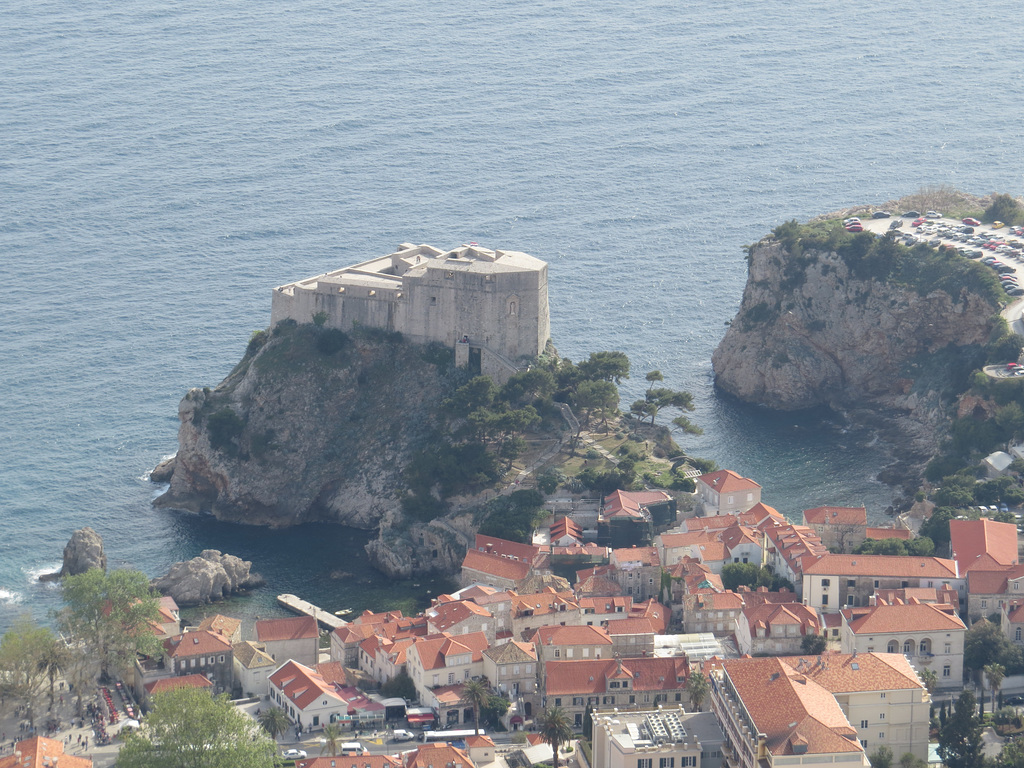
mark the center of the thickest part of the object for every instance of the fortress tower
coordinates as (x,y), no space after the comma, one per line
(490,306)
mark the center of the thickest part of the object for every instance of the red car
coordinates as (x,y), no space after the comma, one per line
(855,227)
(918,222)
(972,222)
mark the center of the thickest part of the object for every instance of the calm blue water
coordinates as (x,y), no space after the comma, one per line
(163,165)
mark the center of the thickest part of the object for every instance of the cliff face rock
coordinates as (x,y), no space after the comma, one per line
(211,576)
(295,435)
(810,332)
(83,552)
(304,430)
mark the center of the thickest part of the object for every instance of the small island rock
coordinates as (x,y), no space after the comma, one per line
(209,577)
(83,552)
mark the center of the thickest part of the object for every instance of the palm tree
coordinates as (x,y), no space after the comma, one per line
(54,658)
(995,674)
(697,685)
(475,694)
(553,724)
(333,737)
(274,721)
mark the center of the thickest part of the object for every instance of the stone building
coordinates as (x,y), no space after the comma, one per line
(663,737)
(490,306)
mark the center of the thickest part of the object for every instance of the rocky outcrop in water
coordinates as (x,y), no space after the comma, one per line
(816,328)
(83,551)
(304,430)
(210,577)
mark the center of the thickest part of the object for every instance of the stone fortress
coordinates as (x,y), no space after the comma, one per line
(490,306)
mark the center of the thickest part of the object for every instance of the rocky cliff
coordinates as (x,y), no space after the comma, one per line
(855,323)
(315,425)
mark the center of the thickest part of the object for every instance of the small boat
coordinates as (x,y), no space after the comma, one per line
(343,612)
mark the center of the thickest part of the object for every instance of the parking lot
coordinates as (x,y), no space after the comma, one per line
(1003,246)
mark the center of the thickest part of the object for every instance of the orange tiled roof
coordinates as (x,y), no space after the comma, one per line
(970,539)
(920,617)
(222,625)
(293,628)
(333,672)
(631,503)
(434,649)
(847,672)
(606,604)
(364,761)
(767,614)
(559,635)
(512,652)
(880,534)
(40,752)
(676,540)
(790,708)
(437,756)
(836,516)
(495,565)
(302,685)
(505,548)
(882,565)
(641,555)
(718,601)
(588,675)
(630,627)
(198,643)
(446,615)
(173,683)
(727,481)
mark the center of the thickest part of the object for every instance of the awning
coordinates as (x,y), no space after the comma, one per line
(425,718)
(516,719)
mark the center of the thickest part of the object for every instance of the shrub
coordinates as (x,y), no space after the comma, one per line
(223,427)
(1004,208)
(256,341)
(331,341)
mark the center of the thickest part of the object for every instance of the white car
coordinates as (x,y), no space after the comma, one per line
(402,735)
(294,754)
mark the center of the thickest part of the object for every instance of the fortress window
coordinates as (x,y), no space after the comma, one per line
(373,293)
(449,275)
(433,299)
(341,289)
(511,307)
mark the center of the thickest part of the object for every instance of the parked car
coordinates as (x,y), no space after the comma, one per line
(881,215)
(855,227)
(401,735)
(933,215)
(911,214)
(997,225)
(972,222)
(294,754)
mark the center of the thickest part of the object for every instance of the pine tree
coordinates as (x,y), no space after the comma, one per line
(960,744)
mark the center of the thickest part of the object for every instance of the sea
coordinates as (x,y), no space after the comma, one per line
(163,165)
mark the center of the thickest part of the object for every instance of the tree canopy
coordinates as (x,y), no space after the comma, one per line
(960,744)
(187,728)
(110,615)
(23,668)
(752,575)
(985,644)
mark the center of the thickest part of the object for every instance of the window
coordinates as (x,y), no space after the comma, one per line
(688,761)
(451,678)
(644,762)
(894,646)
(667,762)
(863,723)
(984,603)
(864,743)
(558,653)
(908,647)
(948,648)
(883,694)
(826,583)
(577,701)
(881,734)
(221,659)
(945,671)
(558,702)
(1017,634)
(608,700)
(824,600)
(579,720)
(876,583)
(632,699)
(881,715)
(851,583)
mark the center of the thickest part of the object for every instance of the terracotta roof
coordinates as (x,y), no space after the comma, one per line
(847,673)
(836,516)
(446,615)
(598,585)
(292,628)
(566,526)
(884,618)
(513,652)
(606,604)
(653,611)
(588,675)
(558,635)
(882,565)
(630,627)
(631,504)
(333,672)
(641,555)
(437,756)
(504,547)
(711,551)
(251,656)
(970,539)
(727,481)
(302,685)
(198,643)
(434,649)
(770,614)
(676,540)
(173,683)
(222,625)
(718,601)
(993,582)
(495,565)
(790,708)
(1015,613)
(39,751)
(539,603)
(479,741)
(880,534)
(919,595)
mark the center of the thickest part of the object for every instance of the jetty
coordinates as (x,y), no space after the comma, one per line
(298,605)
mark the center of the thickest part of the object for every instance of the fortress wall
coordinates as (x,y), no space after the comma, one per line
(505,313)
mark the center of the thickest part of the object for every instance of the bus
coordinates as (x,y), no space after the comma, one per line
(428,737)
